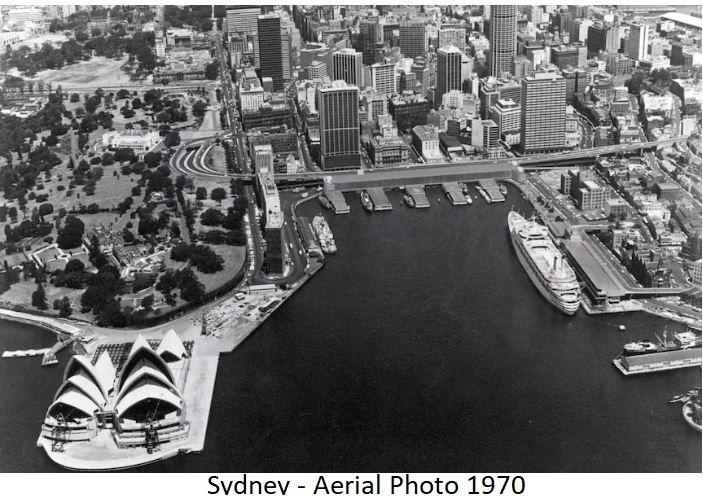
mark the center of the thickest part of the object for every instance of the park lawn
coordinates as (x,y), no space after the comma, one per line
(233,257)
(21,294)
(110,190)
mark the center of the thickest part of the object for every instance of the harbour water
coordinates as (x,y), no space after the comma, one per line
(420,346)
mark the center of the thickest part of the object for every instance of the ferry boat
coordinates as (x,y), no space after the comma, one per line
(409,200)
(544,263)
(366,201)
(324,234)
(325,202)
(483,194)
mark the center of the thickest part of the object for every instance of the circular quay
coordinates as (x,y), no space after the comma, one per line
(351,249)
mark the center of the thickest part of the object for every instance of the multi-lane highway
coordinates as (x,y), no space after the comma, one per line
(291,242)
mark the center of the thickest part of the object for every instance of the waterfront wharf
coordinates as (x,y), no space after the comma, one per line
(658,362)
(417,193)
(339,204)
(492,189)
(454,193)
(308,236)
(379,199)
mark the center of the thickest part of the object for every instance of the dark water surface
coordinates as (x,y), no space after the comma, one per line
(420,346)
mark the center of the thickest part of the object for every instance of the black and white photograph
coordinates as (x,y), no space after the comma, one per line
(352,239)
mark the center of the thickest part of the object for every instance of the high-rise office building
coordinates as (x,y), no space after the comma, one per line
(412,39)
(338,107)
(368,39)
(579,30)
(347,65)
(602,37)
(502,38)
(448,71)
(543,115)
(242,19)
(271,49)
(422,77)
(383,77)
(564,56)
(637,42)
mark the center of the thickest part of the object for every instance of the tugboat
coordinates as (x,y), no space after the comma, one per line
(325,202)
(409,200)
(366,201)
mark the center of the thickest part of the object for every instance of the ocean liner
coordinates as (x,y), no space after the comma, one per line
(544,263)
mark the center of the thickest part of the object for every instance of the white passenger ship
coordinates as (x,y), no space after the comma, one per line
(544,263)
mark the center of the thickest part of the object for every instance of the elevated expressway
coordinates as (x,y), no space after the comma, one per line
(404,175)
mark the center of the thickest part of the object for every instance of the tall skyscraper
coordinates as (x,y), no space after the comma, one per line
(502,38)
(338,106)
(637,42)
(285,54)
(242,19)
(347,65)
(271,49)
(602,36)
(412,38)
(543,116)
(448,71)
(383,77)
(368,39)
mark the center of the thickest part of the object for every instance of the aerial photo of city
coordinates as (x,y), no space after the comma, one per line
(297,238)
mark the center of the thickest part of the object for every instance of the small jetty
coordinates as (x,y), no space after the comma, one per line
(339,204)
(379,199)
(418,194)
(490,191)
(48,354)
(454,193)
(24,353)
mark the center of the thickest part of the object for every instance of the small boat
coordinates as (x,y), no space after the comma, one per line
(503,189)
(464,188)
(468,199)
(325,202)
(621,328)
(366,201)
(409,200)
(677,398)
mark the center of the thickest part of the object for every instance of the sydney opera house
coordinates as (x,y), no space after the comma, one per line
(135,395)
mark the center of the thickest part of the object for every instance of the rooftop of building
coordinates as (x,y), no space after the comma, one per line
(426,132)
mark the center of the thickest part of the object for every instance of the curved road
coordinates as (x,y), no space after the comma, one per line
(192,163)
